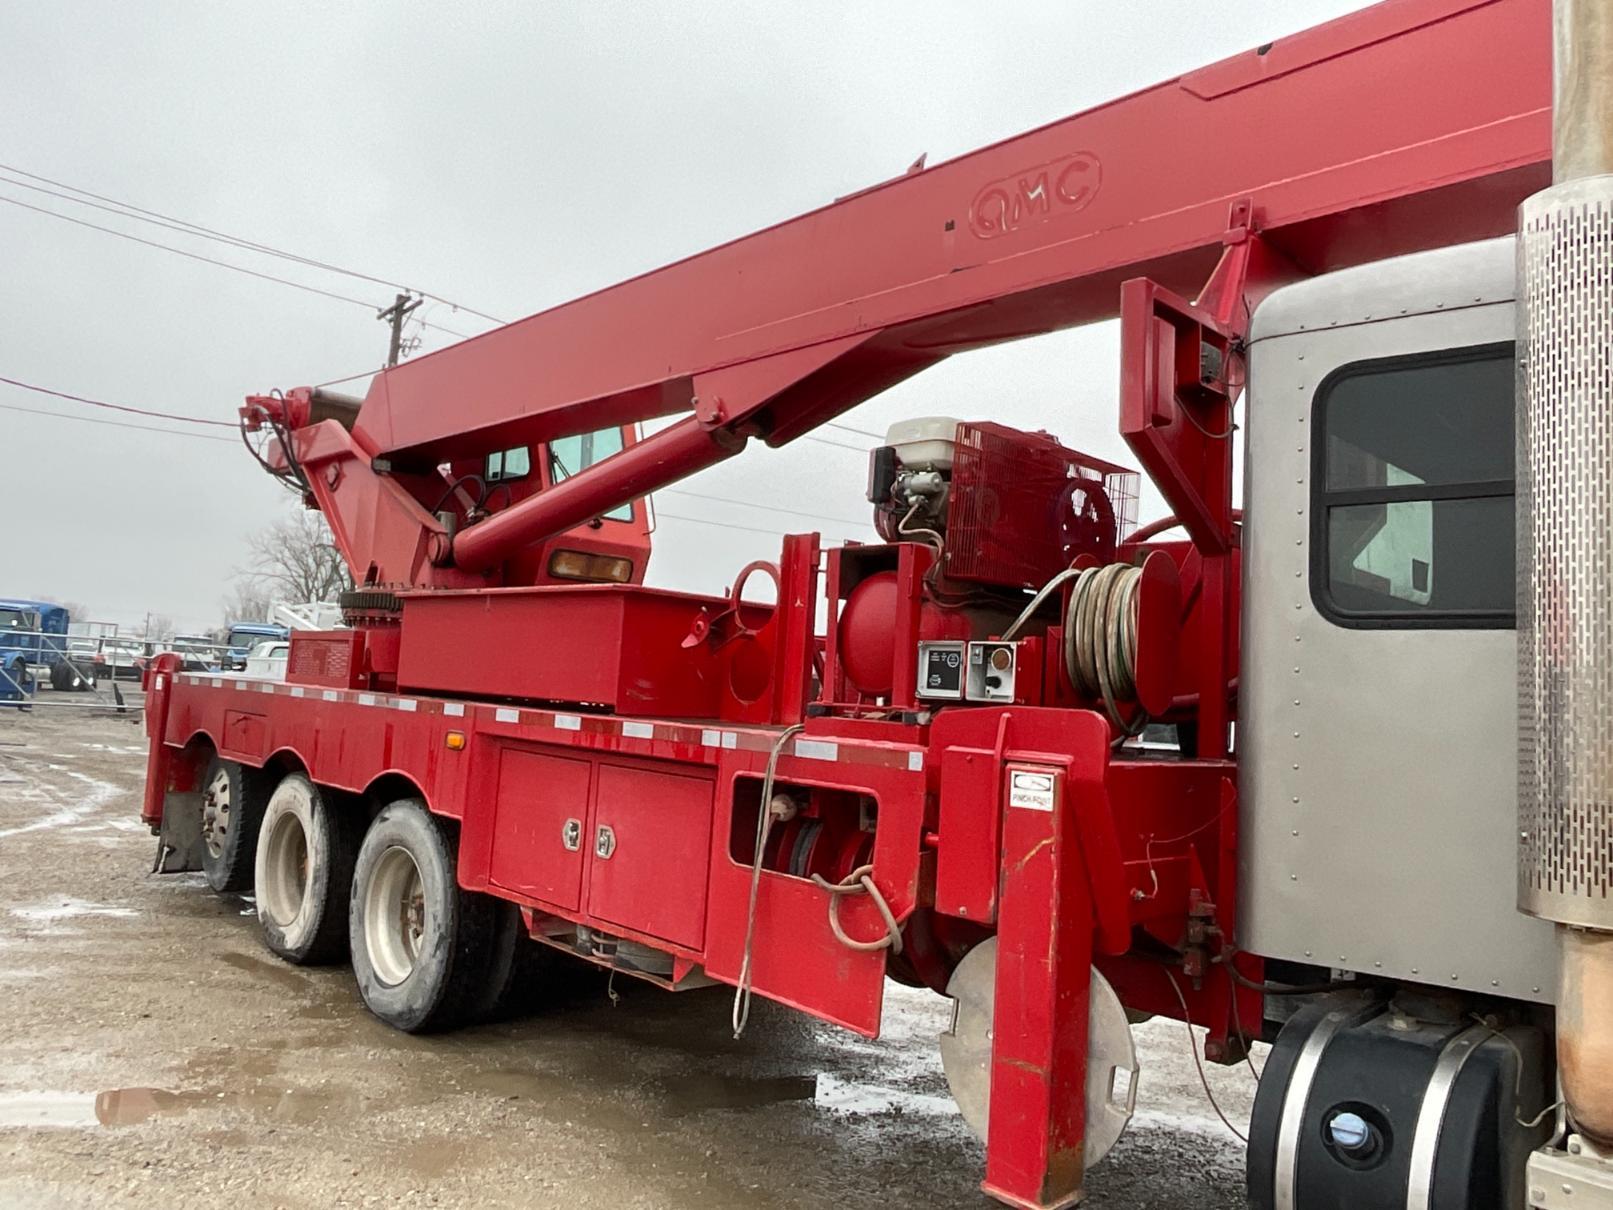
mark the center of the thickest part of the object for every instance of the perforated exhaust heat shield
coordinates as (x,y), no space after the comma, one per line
(1565,554)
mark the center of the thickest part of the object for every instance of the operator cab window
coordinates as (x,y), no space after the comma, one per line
(1412,518)
(568,455)
(508,464)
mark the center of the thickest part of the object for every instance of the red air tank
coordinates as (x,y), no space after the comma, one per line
(868,624)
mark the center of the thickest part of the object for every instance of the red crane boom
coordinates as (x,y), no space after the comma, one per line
(1405,126)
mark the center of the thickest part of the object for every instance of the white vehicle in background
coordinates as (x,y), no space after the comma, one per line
(81,662)
(120,659)
(268,660)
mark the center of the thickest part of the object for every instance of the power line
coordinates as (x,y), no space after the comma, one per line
(222,264)
(751,529)
(78,222)
(116,424)
(839,445)
(117,407)
(331,382)
(851,428)
(766,508)
(141,214)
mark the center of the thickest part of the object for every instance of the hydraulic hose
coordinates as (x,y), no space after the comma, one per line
(1100,635)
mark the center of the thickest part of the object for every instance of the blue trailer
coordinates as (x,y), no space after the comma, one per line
(33,636)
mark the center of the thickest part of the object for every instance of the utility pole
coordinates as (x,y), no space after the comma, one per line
(402,307)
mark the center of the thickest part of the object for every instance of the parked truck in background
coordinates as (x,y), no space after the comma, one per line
(34,643)
(244,636)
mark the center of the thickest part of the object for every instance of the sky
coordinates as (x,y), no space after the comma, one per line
(507,156)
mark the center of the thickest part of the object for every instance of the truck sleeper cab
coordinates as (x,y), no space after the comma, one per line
(1378,732)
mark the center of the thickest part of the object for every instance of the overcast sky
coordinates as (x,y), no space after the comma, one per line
(508,156)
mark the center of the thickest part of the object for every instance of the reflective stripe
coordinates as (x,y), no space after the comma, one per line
(1295,1099)
(1431,1117)
(817,749)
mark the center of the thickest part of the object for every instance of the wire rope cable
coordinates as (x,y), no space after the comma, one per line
(764,825)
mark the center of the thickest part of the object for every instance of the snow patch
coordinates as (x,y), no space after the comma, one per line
(67,812)
(69,909)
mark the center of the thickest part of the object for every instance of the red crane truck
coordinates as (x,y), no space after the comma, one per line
(920,760)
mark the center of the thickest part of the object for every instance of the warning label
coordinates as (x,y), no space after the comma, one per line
(1031,790)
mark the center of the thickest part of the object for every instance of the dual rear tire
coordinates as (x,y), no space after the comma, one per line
(305,854)
(427,955)
(423,948)
(233,802)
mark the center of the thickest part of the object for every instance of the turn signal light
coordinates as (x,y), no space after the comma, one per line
(579,565)
(456,741)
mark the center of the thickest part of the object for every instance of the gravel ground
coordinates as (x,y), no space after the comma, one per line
(154,1054)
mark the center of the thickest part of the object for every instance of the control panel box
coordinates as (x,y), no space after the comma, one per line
(991,672)
(956,671)
(941,670)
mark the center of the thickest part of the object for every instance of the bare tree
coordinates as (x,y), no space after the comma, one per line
(295,559)
(247,601)
(299,559)
(159,627)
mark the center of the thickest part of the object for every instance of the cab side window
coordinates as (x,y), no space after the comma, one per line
(1412,504)
(568,455)
(508,464)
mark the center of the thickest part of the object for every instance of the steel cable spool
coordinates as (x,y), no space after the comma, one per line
(1100,638)
(1100,635)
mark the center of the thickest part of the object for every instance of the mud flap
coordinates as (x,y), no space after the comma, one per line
(179,844)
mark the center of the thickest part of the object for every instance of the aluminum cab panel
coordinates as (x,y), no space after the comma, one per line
(1378,808)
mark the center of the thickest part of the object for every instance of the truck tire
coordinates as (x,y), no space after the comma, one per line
(421,946)
(233,798)
(304,871)
(520,972)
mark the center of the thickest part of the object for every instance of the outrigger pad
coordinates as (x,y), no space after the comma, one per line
(179,844)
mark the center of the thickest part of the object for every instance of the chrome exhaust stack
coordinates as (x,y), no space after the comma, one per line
(1565,581)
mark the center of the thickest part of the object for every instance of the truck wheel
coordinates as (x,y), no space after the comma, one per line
(421,945)
(233,799)
(304,871)
(519,971)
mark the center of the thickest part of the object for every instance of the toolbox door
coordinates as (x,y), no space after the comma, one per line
(539,826)
(651,851)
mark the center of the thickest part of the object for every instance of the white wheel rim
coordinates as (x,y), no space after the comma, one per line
(216,814)
(394,916)
(284,884)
